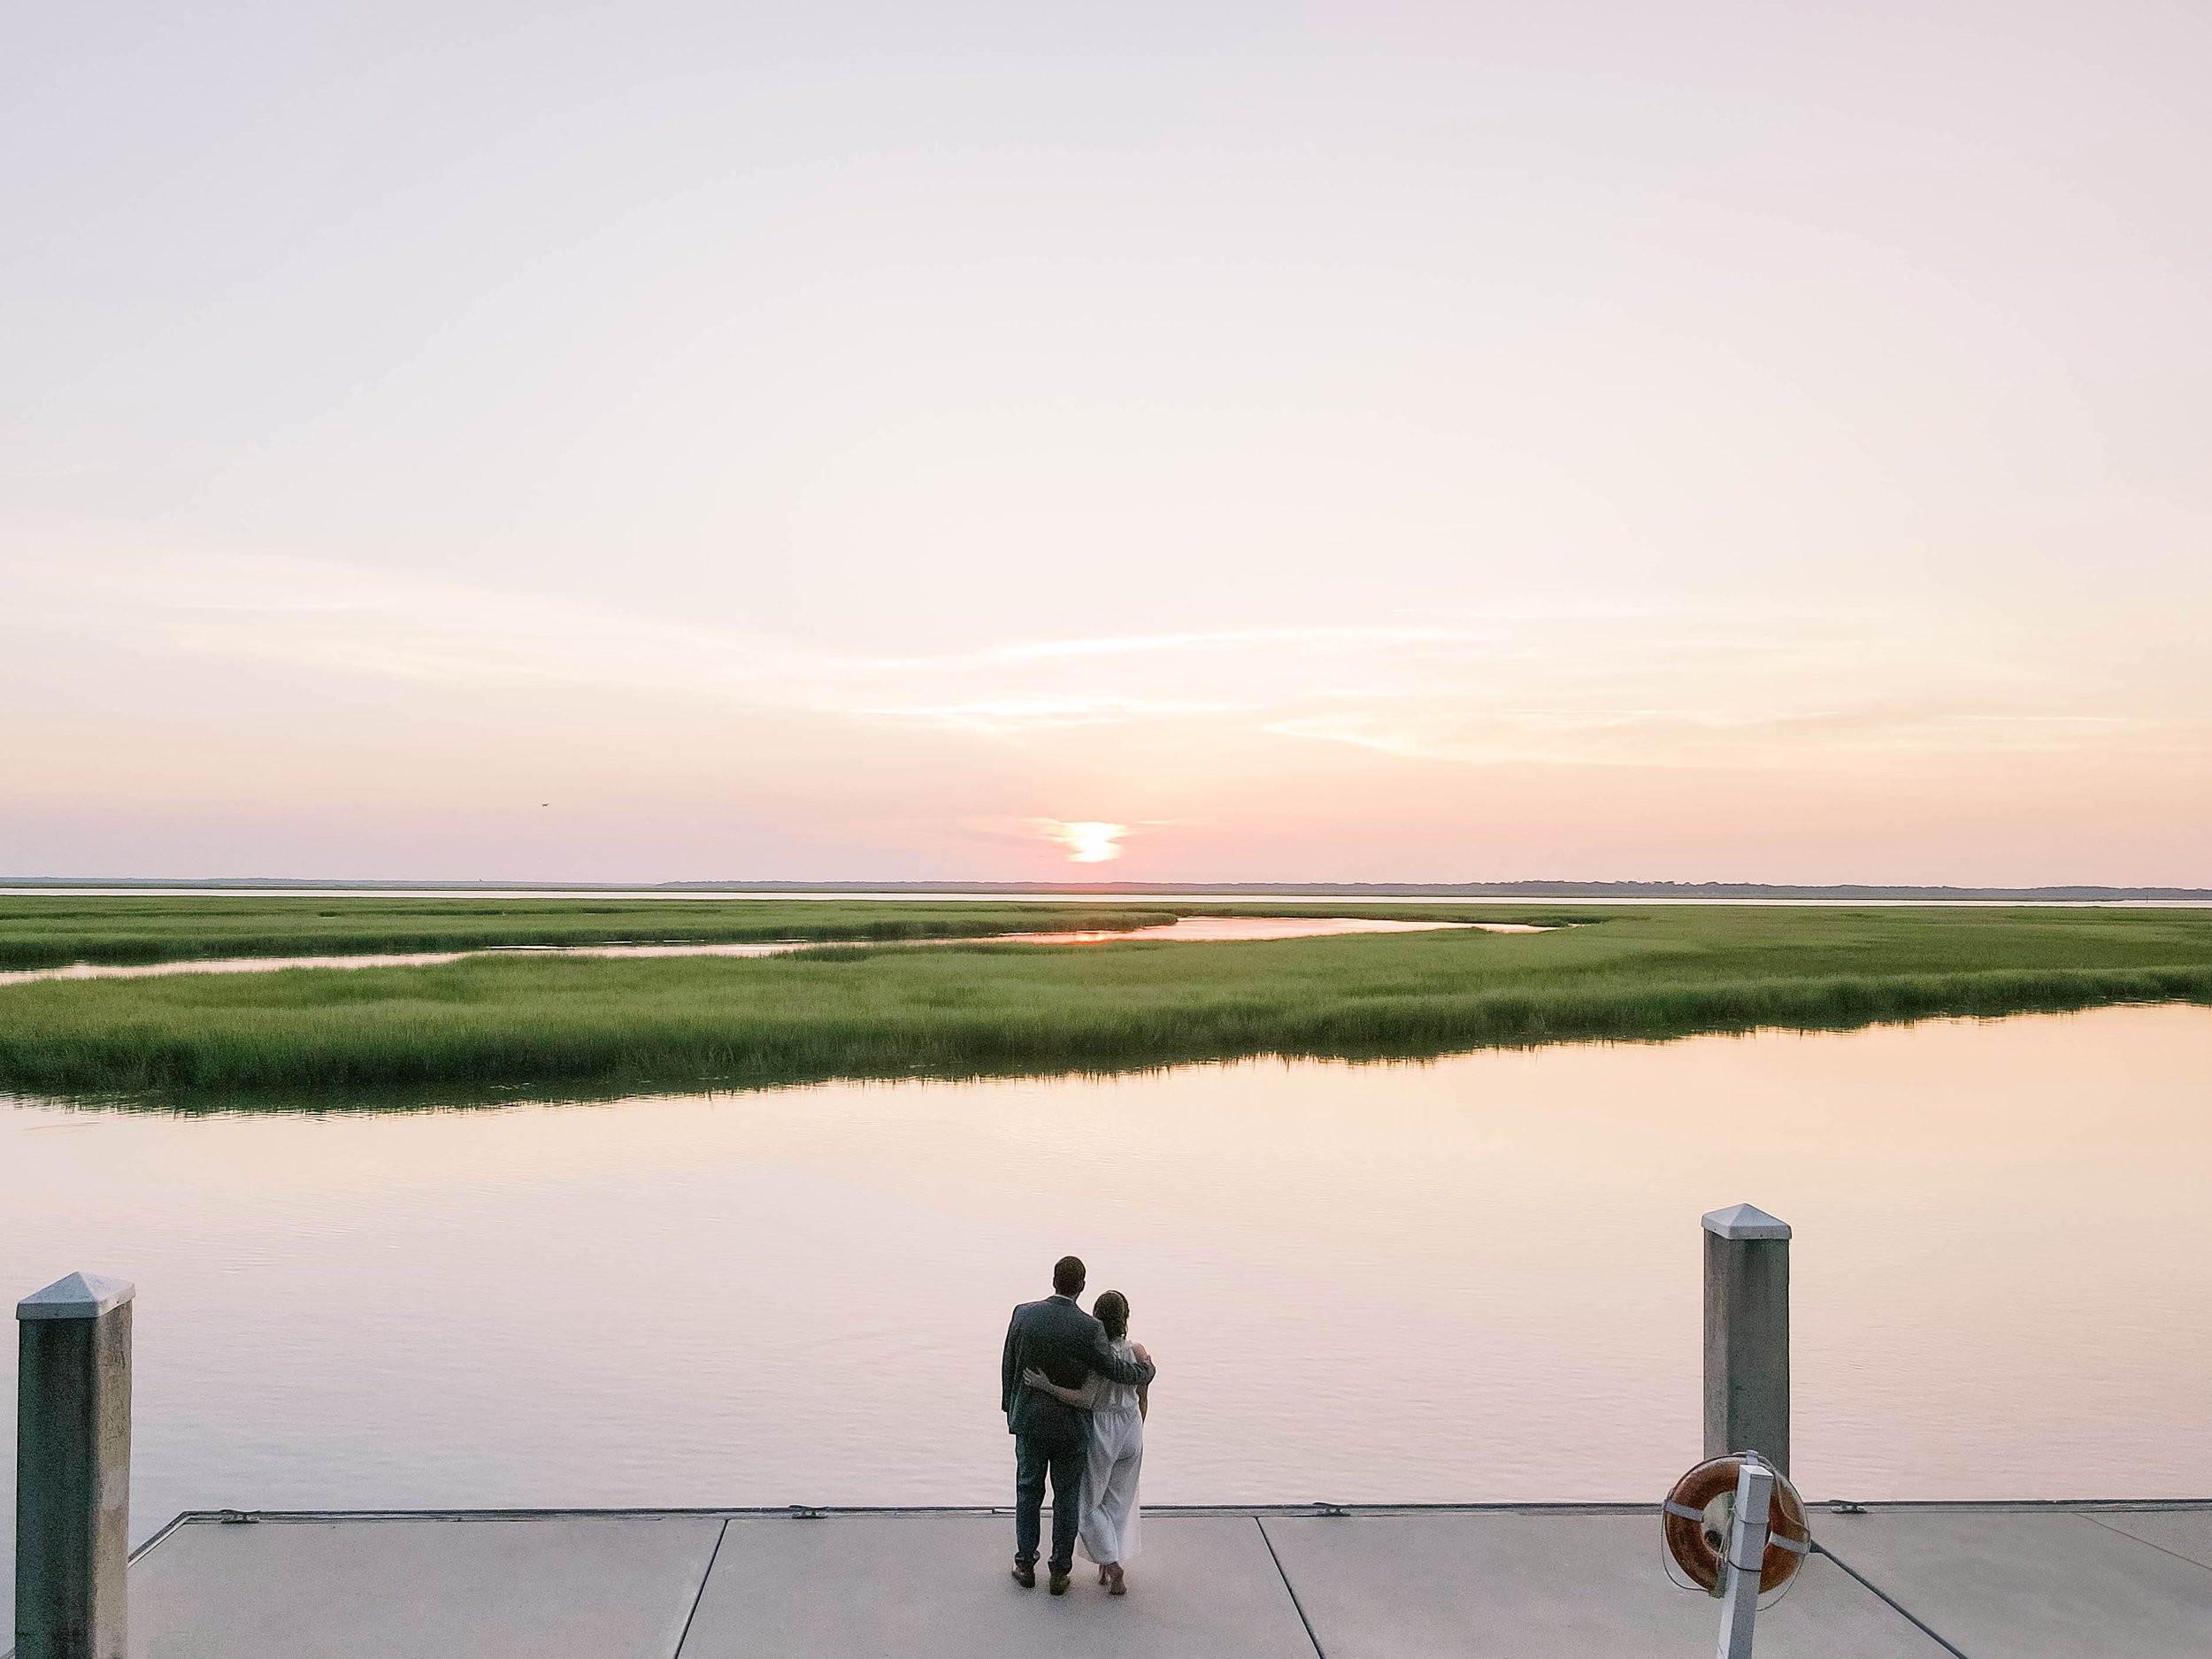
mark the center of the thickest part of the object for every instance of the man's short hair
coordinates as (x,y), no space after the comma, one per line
(1068,1275)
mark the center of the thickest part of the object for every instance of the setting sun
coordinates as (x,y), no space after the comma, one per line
(1088,842)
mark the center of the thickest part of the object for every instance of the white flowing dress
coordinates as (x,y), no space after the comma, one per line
(1109,1531)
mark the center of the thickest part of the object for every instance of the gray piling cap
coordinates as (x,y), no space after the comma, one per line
(1745,1221)
(79,1296)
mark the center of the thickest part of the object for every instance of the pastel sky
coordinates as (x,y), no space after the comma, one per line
(665,442)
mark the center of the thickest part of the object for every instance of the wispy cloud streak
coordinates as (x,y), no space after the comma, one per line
(1595,689)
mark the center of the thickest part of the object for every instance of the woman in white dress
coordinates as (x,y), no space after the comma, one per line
(1109,1531)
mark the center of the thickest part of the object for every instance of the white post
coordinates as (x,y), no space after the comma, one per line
(1747,1335)
(73,1470)
(1746,1558)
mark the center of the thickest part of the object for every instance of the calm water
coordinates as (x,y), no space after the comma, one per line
(1189,928)
(1473,1279)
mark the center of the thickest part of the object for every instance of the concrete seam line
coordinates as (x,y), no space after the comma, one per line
(713,1556)
(1640,1508)
(2147,1544)
(1893,1604)
(1290,1589)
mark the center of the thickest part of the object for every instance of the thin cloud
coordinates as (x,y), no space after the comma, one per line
(1232,640)
(1017,714)
(1606,689)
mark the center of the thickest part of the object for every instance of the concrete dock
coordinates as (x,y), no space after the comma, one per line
(1918,1581)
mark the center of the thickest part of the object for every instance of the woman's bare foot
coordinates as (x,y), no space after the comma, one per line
(1115,1585)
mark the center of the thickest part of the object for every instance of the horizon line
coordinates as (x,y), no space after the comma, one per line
(1533,887)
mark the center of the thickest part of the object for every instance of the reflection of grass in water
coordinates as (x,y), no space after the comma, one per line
(54,930)
(964,1010)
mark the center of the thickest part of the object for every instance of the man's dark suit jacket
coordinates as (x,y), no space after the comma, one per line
(1066,1344)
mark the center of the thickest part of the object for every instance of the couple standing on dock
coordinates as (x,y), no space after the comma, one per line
(1075,1390)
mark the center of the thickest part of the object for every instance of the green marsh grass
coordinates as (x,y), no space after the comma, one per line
(951,1010)
(55,930)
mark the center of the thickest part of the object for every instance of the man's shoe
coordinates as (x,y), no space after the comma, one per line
(1024,1575)
(1059,1584)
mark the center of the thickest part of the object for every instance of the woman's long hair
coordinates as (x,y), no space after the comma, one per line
(1111,1309)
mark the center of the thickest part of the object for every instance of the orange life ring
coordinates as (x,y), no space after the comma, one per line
(1697,1547)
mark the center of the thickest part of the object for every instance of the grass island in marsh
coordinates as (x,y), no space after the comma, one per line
(54,930)
(864,1010)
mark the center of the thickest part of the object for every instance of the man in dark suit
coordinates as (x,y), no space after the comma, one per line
(1050,1436)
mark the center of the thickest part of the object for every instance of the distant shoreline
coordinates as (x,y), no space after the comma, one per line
(1700,892)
